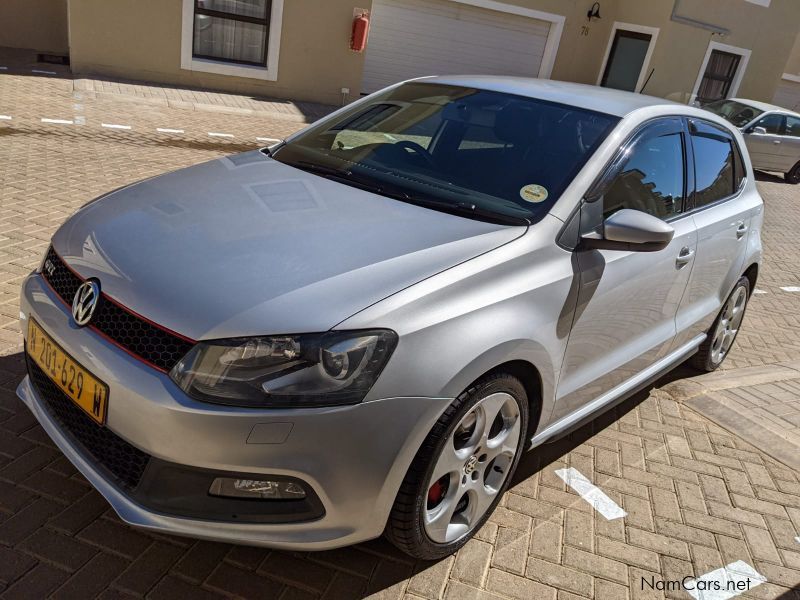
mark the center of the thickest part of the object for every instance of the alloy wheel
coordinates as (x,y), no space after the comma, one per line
(728,325)
(472,467)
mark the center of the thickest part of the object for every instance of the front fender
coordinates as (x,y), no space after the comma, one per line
(528,351)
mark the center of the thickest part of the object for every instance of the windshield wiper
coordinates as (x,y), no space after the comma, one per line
(318,169)
(346,177)
(467,209)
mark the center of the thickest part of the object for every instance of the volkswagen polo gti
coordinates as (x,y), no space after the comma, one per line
(361,329)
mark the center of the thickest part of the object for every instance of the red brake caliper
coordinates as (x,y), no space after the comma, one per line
(435,493)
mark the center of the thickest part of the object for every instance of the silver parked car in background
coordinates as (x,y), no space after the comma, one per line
(362,329)
(771,133)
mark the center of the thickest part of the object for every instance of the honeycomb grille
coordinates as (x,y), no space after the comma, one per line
(123,462)
(156,346)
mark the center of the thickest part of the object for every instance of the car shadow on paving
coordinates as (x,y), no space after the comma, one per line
(545,455)
(770,177)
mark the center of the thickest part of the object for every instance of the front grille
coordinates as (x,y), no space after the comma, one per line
(123,462)
(153,344)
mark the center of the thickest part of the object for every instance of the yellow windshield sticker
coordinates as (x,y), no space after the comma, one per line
(533,193)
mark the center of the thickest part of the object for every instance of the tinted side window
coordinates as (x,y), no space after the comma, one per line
(651,180)
(792,127)
(713,164)
(772,123)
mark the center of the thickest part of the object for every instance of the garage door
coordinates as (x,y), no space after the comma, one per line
(412,38)
(788,95)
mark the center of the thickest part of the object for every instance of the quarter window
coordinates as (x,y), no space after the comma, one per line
(651,180)
(714,164)
(235,31)
(772,123)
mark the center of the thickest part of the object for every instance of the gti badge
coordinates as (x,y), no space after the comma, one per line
(85,301)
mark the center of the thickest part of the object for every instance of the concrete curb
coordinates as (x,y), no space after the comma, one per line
(701,395)
(724,414)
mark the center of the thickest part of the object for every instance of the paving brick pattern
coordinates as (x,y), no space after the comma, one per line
(697,497)
(770,333)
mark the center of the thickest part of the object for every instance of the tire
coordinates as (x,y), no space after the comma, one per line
(715,348)
(432,519)
(793,176)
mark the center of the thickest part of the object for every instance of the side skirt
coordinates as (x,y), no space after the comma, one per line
(616,395)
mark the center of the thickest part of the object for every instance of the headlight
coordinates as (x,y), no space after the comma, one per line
(327,369)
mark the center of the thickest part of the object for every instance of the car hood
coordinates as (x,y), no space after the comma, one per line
(245,245)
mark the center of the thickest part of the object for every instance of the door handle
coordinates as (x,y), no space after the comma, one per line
(741,230)
(684,257)
(776,141)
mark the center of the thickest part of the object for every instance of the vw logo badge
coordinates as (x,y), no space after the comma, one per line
(471,464)
(85,301)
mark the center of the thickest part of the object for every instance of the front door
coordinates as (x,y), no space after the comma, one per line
(625,317)
(765,148)
(626,60)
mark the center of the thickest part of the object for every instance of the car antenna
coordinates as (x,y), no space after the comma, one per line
(644,85)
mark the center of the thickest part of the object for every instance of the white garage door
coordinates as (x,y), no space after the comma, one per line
(412,38)
(788,95)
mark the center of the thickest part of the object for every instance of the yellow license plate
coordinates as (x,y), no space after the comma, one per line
(85,390)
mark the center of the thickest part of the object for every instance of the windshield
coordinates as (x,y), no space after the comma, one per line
(481,154)
(737,113)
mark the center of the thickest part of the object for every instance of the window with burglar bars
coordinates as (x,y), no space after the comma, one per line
(235,31)
(719,75)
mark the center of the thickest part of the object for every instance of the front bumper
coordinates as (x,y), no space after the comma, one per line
(353,458)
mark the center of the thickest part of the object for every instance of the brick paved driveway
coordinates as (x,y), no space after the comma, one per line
(697,497)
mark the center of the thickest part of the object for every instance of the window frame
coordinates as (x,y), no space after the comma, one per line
(219,66)
(727,79)
(740,69)
(723,132)
(636,29)
(264,21)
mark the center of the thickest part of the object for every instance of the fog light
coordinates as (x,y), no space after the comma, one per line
(256,488)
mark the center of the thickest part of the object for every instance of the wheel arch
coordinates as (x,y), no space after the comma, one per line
(531,380)
(751,273)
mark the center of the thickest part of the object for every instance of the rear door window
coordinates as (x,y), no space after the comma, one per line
(714,163)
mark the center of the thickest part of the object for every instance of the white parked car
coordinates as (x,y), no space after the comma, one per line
(772,134)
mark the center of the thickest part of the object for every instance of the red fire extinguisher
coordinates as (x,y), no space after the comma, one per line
(358,39)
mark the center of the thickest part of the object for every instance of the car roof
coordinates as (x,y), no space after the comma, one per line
(590,97)
(765,106)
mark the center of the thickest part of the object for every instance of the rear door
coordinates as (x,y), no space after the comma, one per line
(766,148)
(625,316)
(722,209)
(790,146)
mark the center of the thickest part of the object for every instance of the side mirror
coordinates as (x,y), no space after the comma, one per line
(632,231)
(759,131)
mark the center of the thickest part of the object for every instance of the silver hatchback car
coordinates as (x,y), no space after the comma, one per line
(361,329)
